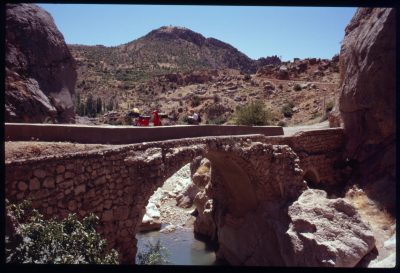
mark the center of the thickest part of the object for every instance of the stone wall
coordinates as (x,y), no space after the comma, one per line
(126,134)
(116,183)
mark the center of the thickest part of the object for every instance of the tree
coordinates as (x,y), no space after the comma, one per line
(54,241)
(99,105)
(90,106)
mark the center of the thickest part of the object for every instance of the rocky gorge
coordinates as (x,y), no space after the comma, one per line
(320,198)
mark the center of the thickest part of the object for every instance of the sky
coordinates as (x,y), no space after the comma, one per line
(288,32)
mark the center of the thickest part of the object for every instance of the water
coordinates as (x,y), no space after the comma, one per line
(183,248)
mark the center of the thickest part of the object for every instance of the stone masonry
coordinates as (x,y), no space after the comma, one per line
(116,183)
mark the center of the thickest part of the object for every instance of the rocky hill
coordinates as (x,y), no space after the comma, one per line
(40,71)
(163,50)
(175,70)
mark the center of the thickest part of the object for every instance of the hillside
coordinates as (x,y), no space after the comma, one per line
(174,69)
(164,50)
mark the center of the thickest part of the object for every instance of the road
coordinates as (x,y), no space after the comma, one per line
(289,131)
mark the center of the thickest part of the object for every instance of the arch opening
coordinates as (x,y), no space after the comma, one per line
(169,219)
(312,178)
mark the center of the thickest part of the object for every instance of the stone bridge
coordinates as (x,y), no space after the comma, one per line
(116,182)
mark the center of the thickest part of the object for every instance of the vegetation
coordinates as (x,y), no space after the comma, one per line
(155,255)
(216,98)
(287,110)
(91,107)
(328,109)
(67,241)
(297,87)
(253,113)
(247,77)
(218,120)
(282,123)
(195,101)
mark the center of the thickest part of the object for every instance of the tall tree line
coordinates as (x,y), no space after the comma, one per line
(91,106)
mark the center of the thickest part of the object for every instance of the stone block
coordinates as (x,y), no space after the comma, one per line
(121,213)
(22,186)
(59,178)
(80,189)
(68,175)
(60,169)
(39,173)
(49,182)
(34,184)
(72,205)
(101,180)
(107,216)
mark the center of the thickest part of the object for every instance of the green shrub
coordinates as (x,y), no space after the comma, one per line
(218,120)
(329,106)
(247,77)
(216,98)
(195,101)
(297,87)
(287,111)
(67,241)
(155,254)
(282,123)
(253,113)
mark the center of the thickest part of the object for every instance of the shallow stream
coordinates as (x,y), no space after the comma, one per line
(183,248)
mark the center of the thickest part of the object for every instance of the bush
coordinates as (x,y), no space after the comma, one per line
(329,107)
(155,254)
(216,98)
(282,123)
(287,111)
(297,87)
(195,101)
(67,241)
(246,77)
(253,113)
(218,120)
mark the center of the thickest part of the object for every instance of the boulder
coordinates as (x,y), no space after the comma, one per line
(326,232)
(40,70)
(367,101)
(151,220)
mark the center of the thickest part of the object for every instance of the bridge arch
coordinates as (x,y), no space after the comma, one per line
(311,177)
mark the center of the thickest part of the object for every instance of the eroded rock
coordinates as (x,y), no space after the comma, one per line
(326,232)
(40,70)
(367,98)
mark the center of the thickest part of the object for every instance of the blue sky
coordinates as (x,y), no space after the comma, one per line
(256,31)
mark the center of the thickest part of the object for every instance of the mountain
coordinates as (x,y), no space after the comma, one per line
(164,50)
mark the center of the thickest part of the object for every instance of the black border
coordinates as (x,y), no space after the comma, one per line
(132,268)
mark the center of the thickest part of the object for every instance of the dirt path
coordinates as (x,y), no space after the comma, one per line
(276,80)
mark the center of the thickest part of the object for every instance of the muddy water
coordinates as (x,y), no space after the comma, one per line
(182,246)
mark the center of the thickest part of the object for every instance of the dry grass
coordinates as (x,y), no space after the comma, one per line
(369,210)
(202,170)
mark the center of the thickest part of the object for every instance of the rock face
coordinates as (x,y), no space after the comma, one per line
(367,98)
(326,232)
(40,71)
(204,223)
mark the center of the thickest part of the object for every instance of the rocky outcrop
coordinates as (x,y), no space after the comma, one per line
(367,99)
(326,232)
(204,223)
(40,71)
